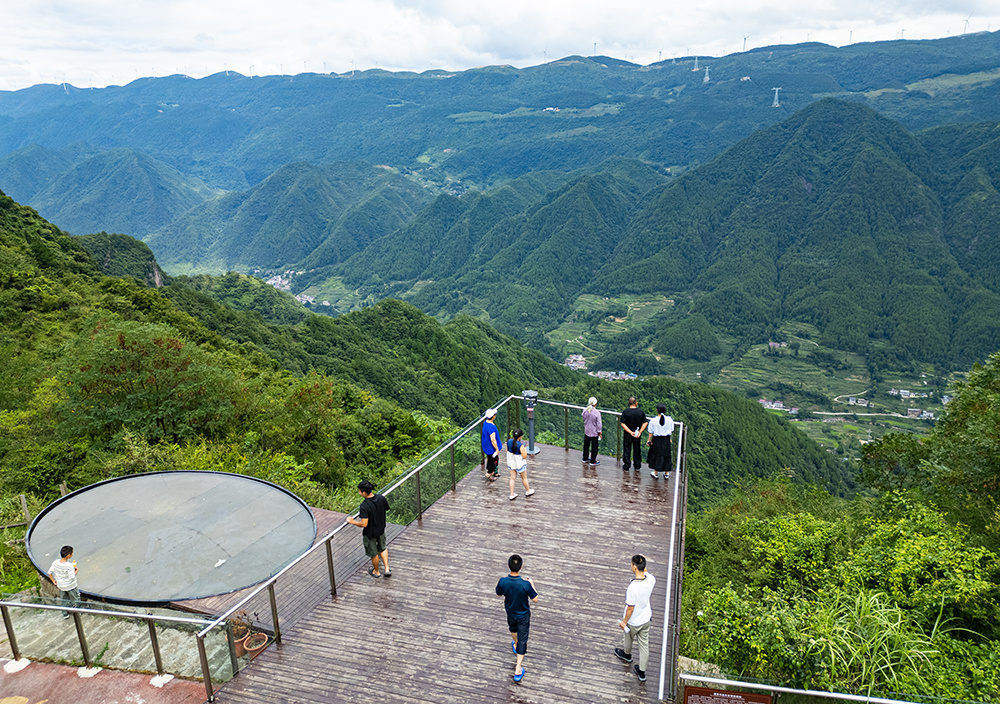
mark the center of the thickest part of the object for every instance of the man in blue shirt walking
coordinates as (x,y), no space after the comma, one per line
(517,593)
(491,443)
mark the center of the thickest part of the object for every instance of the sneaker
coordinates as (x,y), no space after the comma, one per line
(372,572)
(596,462)
(65,617)
(641,673)
(654,475)
(622,655)
(530,493)
(513,496)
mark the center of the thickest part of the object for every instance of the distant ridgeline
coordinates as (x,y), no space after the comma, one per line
(101,376)
(236,172)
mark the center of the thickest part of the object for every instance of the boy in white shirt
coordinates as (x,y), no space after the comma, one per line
(63,575)
(638,615)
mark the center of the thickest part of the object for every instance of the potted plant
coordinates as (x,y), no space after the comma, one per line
(240,626)
(256,641)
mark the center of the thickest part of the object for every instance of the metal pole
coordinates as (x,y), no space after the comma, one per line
(420,508)
(205,673)
(453,467)
(566,436)
(231,642)
(274,612)
(506,407)
(482,455)
(155,642)
(83,638)
(531,430)
(618,439)
(329,564)
(9,625)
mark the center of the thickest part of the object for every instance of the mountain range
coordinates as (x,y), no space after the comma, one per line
(837,217)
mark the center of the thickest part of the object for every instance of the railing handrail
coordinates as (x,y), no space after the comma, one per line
(560,404)
(103,612)
(273,578)
(788,690)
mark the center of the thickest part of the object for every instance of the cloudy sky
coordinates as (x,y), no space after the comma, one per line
(101,42)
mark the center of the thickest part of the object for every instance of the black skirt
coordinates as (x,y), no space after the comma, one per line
(660,458)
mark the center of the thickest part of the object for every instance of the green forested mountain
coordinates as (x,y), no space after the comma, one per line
(312,216)
(836,217)
(115,190)
(124,256)
(470,128)
(79,349)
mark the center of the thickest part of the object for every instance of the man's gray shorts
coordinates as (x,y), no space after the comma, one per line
(373,546)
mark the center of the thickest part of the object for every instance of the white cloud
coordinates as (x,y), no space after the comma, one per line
(97,42)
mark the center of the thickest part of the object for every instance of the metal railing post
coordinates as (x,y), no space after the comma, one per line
(329,564)
(453,467)
(155,642)
(83,638)
(420,506)
(506,408)
(9,625)
(231,642)
(566,436)
(274,612)
(482,455)
(205,672)
(618,439)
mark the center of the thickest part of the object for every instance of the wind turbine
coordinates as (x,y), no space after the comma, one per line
(745,37)
(967,24)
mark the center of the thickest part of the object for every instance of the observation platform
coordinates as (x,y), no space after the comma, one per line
(436,632)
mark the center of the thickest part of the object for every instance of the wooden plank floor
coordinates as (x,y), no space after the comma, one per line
(436,632)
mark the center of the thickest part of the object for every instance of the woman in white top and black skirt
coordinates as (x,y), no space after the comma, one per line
(660,429)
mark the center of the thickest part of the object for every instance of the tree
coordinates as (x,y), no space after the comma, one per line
(146,378)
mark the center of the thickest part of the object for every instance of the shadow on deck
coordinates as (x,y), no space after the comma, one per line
(436,632)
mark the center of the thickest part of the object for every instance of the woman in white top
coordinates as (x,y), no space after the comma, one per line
(660,428)
(517,462)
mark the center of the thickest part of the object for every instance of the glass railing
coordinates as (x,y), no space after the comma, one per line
(789,695)
(93,634)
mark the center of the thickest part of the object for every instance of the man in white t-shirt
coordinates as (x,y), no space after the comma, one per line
(638,615)
(63,575)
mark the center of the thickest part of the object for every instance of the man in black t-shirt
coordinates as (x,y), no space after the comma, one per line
(517,593)
(371,518)
(633,422)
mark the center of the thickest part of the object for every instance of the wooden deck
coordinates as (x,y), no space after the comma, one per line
(436,632)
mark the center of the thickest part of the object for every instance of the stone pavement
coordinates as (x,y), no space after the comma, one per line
(22,682)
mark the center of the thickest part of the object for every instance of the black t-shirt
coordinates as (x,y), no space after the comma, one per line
(517,594)
(633,418)
(374,508)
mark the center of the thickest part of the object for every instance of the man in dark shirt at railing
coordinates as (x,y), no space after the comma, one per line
(371,518)
(633,422)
